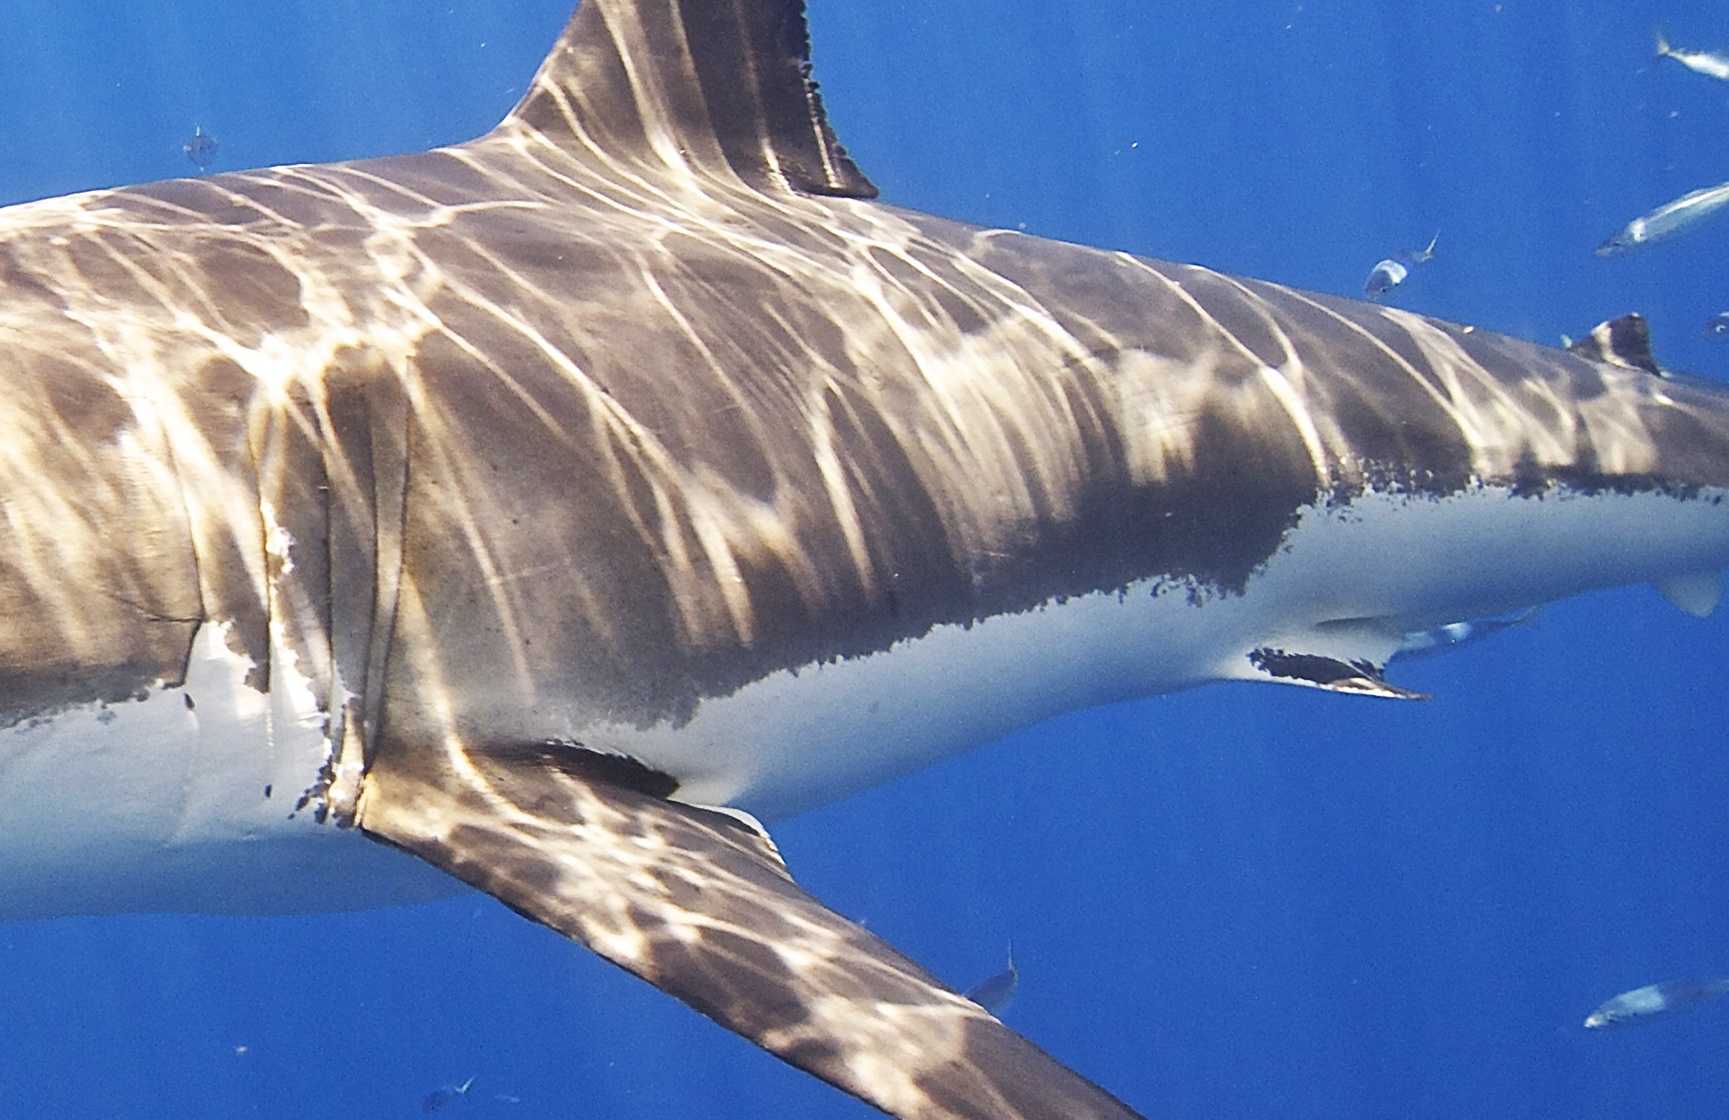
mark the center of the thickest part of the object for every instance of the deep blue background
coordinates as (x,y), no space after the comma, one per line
(1242,901)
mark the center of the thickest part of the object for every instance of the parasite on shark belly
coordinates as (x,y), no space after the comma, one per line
(550,506)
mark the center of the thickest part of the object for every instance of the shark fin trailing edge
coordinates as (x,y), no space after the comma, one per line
(699,904)
(1696,593)
(718,87)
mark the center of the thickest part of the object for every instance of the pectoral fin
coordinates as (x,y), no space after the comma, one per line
(1359,677)
(1697,593)
(699,904)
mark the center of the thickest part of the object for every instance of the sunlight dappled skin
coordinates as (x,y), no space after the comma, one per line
(526,496)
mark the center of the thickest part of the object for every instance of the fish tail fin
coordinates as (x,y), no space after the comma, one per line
(1664,50)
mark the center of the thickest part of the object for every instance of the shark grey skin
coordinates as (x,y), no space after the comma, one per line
(535,505)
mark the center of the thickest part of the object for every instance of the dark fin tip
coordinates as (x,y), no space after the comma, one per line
(1330,673)
(1623,341)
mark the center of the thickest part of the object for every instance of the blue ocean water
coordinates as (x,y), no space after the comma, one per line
(1241,901)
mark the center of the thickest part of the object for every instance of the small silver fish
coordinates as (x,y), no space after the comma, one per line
(444,1095)
(1392,271)
(1425,254)
(201,148)
(1654,1000)
(1384,277)
(1700,62)
(1717,326)
(1667,220)
(994,993)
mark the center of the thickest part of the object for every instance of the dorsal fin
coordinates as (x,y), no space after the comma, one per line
(1624,342)
(705,86)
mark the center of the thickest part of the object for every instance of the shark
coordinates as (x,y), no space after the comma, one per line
(543,513)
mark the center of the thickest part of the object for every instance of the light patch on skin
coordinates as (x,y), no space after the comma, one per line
(1644,1000)
(1349,582)
(295,716)
(278,541)
(623,945)
(152,804)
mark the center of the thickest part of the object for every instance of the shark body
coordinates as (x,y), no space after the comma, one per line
(543,505)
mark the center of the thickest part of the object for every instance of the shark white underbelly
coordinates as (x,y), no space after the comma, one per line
(182,811)
(187,797)
(1350,582)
